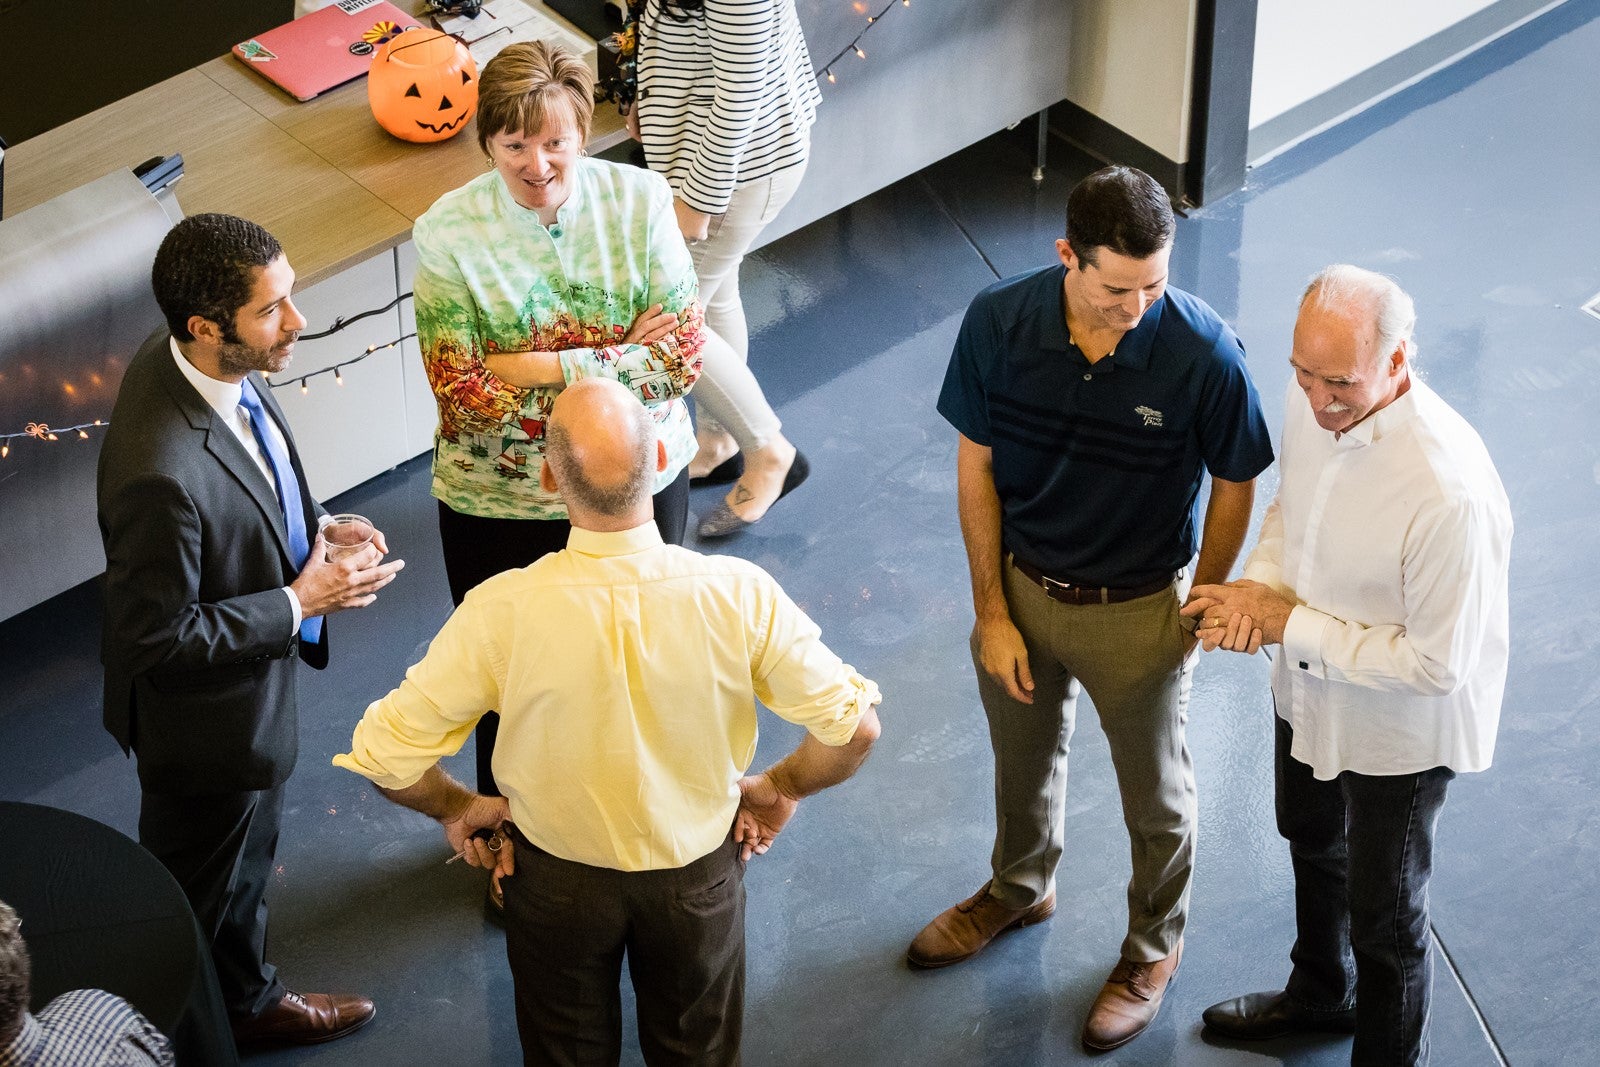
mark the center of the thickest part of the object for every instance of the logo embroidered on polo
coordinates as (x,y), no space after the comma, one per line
(1152,417)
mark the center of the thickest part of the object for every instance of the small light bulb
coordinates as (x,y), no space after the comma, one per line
(83,435)
(860,53)
(337,377)
(5,450)
(303,389)
(52,437)
(831,78)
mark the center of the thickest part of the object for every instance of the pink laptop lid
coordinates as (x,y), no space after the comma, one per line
(325,48)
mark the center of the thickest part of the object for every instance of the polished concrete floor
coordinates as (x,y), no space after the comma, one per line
(1475,188)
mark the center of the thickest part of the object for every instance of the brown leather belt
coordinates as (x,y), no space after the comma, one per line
(1073,593)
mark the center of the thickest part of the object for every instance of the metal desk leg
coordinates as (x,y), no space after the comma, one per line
(1043,143)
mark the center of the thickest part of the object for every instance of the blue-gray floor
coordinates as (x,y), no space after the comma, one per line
(1475,188)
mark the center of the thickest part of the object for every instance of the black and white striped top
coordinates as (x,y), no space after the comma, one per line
(726,96)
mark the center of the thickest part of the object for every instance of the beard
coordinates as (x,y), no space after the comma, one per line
(235,357)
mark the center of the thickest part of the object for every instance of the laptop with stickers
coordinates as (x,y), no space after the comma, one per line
(325,48)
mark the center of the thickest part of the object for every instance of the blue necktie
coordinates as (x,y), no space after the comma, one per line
(294,516)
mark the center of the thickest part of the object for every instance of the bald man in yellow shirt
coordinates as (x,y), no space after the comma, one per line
(626,673)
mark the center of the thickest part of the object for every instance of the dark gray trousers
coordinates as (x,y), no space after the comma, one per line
(568,927)
(220,848)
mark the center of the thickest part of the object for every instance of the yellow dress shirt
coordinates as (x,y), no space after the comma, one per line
(625,672)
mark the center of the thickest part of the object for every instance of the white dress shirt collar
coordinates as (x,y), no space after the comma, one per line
(1399,411)
(222,396)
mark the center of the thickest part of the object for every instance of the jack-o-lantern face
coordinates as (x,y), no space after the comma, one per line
(423,86)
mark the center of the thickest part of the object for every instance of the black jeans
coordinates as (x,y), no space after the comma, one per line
(476,549)
(1362,847)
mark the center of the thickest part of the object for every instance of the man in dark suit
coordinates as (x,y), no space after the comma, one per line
(216,584)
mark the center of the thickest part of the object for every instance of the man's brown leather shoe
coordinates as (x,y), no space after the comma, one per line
(961,932)
(1128,1002)
(305,1019)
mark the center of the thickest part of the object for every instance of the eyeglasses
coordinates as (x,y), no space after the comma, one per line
(468,8)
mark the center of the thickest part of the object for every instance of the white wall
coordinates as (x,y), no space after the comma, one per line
(1304,49)
(939,75)
(1131,62)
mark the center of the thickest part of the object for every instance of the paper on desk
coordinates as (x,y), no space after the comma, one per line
(504,22)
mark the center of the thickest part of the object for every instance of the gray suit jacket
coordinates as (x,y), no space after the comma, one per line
(198,649)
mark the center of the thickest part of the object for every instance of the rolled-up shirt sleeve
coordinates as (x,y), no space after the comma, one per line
(801,680)
(432,713)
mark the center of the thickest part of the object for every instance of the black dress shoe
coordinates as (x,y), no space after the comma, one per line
(724,522)
(1258,1016)
(728,471)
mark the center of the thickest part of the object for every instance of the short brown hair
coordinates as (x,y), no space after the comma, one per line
(207,266)
(520,84)
(1122,209)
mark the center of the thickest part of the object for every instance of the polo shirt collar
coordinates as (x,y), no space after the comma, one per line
(1132,352)
(619,543)
(1051,313)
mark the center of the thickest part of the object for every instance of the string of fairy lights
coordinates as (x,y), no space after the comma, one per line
(336,368)
(855,45)
(44,433)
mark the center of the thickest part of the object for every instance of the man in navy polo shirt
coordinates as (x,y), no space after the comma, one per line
(1091,398)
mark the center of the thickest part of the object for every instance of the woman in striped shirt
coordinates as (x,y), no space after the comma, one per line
(726,99)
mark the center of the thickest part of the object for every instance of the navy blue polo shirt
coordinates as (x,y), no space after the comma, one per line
(1098,466)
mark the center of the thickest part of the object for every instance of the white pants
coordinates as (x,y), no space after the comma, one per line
(727,396)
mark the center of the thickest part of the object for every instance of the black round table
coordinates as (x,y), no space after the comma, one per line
(99,912)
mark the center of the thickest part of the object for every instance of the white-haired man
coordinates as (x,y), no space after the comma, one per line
(1382,573)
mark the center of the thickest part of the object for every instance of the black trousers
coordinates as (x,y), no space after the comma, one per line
(220,848)
(476,549)
(568,927)
(1362,849)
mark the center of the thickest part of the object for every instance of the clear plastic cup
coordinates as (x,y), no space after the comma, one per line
(345,535)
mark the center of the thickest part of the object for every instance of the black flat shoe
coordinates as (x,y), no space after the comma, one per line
(729,470)
(725,522)
(1259,1016)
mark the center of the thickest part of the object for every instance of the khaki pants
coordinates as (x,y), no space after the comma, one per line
(1129,658)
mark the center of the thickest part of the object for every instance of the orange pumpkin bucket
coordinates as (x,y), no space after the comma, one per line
(423,86)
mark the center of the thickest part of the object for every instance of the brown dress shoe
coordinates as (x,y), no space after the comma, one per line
(1128,1002)
(305,1019)
(961,932)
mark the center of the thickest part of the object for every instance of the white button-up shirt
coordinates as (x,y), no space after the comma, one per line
(1394,539)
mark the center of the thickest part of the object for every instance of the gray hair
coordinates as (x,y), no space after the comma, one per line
(577,486)
(1374,298)
(15,974)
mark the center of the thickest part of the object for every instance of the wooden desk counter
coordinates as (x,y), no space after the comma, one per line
(234,161)
(322,176)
